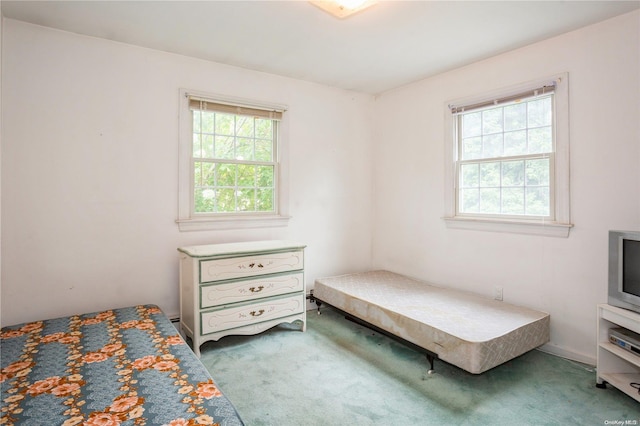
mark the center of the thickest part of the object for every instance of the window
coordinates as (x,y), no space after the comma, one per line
(510,160)
(230,163)
(505,154)
(234,153)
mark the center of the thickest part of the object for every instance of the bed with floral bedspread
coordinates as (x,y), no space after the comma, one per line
(119,367)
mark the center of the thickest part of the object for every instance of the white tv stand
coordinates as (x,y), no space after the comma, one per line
(615,365)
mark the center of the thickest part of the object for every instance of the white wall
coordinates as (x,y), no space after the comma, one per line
(565,277)
(89,172)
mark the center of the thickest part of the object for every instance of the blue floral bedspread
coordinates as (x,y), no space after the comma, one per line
(120,367)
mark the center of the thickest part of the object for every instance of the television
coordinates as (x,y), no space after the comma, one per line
(624,269)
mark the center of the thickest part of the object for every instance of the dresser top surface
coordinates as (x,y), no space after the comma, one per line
(240,248)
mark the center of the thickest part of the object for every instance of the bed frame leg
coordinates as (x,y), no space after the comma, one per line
(431,360)
(312,299)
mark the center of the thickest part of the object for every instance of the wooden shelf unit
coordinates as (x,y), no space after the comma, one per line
(616,365)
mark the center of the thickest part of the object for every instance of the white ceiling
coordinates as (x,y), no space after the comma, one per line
(388,45)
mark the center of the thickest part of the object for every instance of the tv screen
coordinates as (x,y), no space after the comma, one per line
(631,267)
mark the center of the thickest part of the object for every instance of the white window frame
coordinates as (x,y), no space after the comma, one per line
(560,173)
(187,220)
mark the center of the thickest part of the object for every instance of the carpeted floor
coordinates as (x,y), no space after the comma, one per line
(340,373)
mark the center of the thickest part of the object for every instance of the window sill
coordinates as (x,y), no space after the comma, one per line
(547,229)
(213,224)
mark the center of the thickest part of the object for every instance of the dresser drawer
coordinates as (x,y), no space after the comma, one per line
(268,309)
(249,266)
(239,291)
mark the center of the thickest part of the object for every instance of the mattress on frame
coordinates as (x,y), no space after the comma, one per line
(469,331)
(121,366)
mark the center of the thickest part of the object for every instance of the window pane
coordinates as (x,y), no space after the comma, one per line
(490,200)
(539,112)
(226,175)
(472,148)
(244,149)
(244,126)
(538,172)
(207,146)
(513,173)
(540,140)
(226,200)
(204,200)
(225,147)
(246,200)
(208,174)
(490,174)
(515,117)
(471,124)
(264,150)
(265,176)
(207,122)
(264,200)
(470,176)
(197,173)
(513,200)
(537,201)
(197,118)
(492,121)
(246,175)
(203,174)
(492,146)
(515,143)
(470,200)
(264,129)
(225,124)
(197,146)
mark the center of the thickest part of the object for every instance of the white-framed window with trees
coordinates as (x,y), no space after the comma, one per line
(231,171)
(508,160)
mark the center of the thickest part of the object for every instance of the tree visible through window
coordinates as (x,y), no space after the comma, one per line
(234,159)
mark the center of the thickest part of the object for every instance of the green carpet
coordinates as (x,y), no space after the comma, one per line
(341,373)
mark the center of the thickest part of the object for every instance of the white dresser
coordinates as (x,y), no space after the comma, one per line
(240,288)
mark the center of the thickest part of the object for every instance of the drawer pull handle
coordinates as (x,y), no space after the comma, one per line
(254,290)
(256,314)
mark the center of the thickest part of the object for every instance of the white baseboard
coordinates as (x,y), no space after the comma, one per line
(565,353)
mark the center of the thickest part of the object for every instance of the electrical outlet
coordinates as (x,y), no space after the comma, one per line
(497,293)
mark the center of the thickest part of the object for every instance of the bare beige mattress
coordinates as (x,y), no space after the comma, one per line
(470,331)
